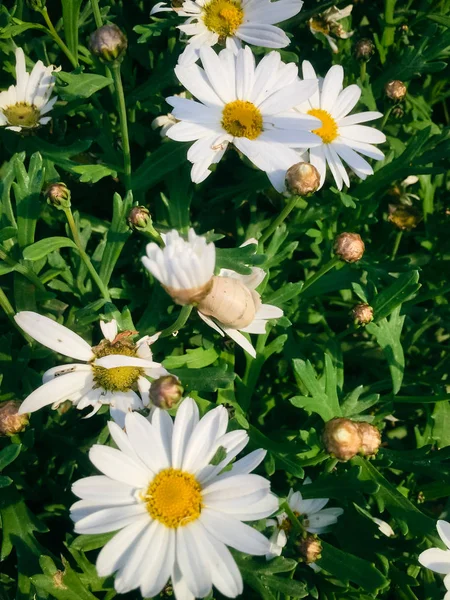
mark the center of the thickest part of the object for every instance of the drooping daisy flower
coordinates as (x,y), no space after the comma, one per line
(175,511)
(247,106)
(311,513)
(227,302)
(438,560)
(24,105)
(114,371)
(327,24)
(232,22)
(343,137)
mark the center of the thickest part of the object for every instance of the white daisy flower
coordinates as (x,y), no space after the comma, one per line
(438,560)
(24,105)
(112,374)
(227,302)
(175,512)
(232,22)
(342,135)
(327,24)
(247,106)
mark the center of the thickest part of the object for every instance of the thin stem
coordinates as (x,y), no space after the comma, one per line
(57,38)
(181,320)
(330,265)
(96,13)
(10,312)
(85,258)
(389,23)
(363,71)
(398,239)
(281,217)
(115,70)
(385,118)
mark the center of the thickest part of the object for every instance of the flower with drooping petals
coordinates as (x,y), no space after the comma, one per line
(327,24)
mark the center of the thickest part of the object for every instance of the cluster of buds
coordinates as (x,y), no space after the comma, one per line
(11,422)
(362,314)
(302,179)
(344,438)
(58,195)
(395,90)
(349,247)
(108,43)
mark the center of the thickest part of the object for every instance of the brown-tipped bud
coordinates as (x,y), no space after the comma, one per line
(404,217)
(166,392)
(302,179)
(58,195)
(342,438)
(108,43)
(10,420)
(370,437)
(364,50)
(349,247)
(139,217)
(362,314)
(395,90)
(309,548)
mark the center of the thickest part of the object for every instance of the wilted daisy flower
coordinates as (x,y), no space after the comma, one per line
(438,560)
(343,137)
(175,512)
(23,105)
(227,302)
(327,24)
(114,371)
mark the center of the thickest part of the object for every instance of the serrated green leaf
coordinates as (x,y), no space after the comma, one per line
(43,247)
(63,585)
(323,399)
(238,259)
(93,173)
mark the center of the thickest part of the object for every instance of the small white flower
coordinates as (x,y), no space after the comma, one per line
(342,135)
(24,105)
(114,371)
(233,22)
(327,24)
(174,512)
(166,121)
(227,302)
(246,105)
(438,560)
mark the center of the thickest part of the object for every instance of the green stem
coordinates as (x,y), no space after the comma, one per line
(57,38)
(22,269)
(181,320)
(281,217)
(389,23)
(96,13)
(385,118)
(115,70)
(363,71)
(10,312)
(85,258)
(398,239)
(330,265)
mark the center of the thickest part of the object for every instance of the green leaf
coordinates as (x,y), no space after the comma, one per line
(5,481)
(441,427)
(118,234)
(43,247)
(91,542)
(284,293)
(238,259)
(93,173)
(27,189)
(7,233)
(441,19)
(208,379)
(423,461)
(289,587)
(70,86)
(158,165)
(71,13)
(352,405)
(179,200)
(403,289)
(63,585)
(193,359)
(341,486)
(9,454)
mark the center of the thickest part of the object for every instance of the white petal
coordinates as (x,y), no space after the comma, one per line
(146,442)
(436,559)
(332,87)
(105,490)
(120,467)
(122,404)
(55,390)
(359,118)
(240,340)
(237,491)
(110,519)
(203,441)
(185,422)
(112,361)
(194,79)
(158,570)
(443,529)
(109,330)
(213,69)
(193,560)
(64,370)
(362,133)
(264,35)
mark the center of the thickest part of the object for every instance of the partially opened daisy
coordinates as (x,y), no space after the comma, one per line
(24,105)
(342,135)
(111,373)
(227,302)
(247,106)
(438,560)
(232,22)
(327,24)
(175,512)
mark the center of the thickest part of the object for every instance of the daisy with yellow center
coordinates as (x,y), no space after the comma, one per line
(173,511)
(245,105)
(327,24)
(343,137)
(24,105)
(116,372)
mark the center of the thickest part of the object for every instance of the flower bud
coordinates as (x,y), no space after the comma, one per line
(404,217)
(342,438)
(370,438)
(364,50)
(349,247)
(139,217)
(302,179)
(362,313)
(166,392)
(395,90)
(58,195)
(10,420)
(108,43)
(310,548)
(36,4)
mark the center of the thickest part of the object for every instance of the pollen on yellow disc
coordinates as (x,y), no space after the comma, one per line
(22,115)
(174,498)
(223,16)
(242,119)
(329,130)
(117,379)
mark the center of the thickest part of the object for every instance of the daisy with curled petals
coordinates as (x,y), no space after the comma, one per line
(245,105)
(438,560)
(174,511)
(112,372)
(342,135)
(227,302)
(24,105)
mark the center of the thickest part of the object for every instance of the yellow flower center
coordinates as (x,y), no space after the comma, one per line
(223,16)
(329,130)
(174,498)
(118,379)
(319,25)
(22,115)
(242,119)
